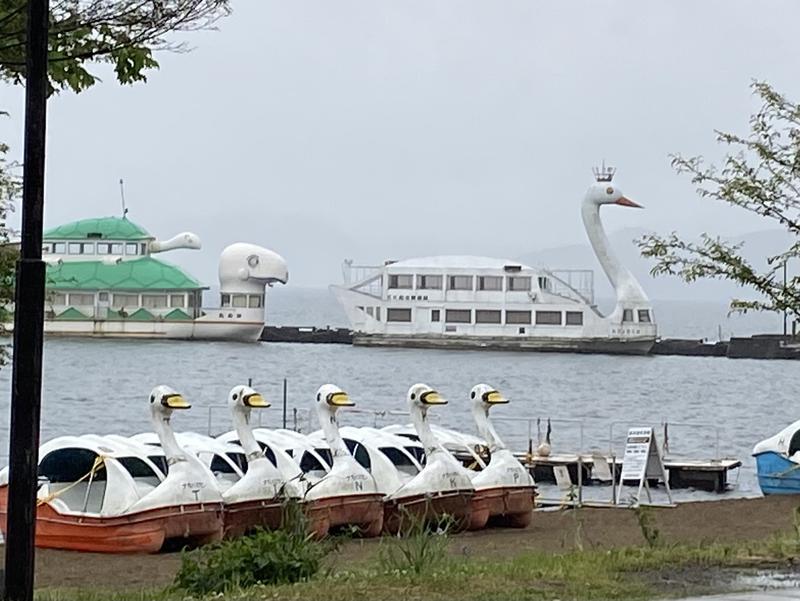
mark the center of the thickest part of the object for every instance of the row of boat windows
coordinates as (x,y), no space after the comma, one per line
(513,283)
(492,316)
(95,248)
(252,301)
(119,301)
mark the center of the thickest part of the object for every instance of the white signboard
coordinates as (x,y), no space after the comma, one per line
(642,461)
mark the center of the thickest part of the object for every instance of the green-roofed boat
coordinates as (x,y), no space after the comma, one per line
(103,280)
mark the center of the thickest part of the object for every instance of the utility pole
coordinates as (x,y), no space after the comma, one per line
(26,375)
(784,287)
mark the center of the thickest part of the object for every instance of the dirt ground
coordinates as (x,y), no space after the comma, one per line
(554,531)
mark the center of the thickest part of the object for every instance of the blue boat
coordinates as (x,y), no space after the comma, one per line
(778,462)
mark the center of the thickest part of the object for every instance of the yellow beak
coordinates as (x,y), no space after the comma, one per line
(432,398)
(494,398)
(176,401)
(339,399)
(255,400)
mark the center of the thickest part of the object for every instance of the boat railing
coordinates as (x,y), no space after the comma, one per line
(577,284)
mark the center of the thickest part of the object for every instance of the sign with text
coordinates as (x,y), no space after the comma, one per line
(642,461)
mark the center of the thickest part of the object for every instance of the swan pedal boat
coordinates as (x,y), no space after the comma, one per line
(100,495)
(778,462)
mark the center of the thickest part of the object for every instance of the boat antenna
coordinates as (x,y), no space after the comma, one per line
(122,198)
(603,173)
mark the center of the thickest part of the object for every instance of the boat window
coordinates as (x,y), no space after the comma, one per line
(131,248)
(378,313)
(627,315)
(574,318)
(109,248)
(78,299)
(255,301)
(400,460)
(519,283)
(240,460)
(160,461)
(487,316)
(544,283)
(45,249)
(458,315)
(408,435)
(268,452)
(518,317)
(191,299)
(401,281)
(154,301)
(310,463)
(548,318)
(794,443)
(644,316)
(139,470)
(60,248)
(326,454)
(69,465)
(81,248)
(417,453)
(459,282)
(429,282)
(143,248)
(125,300)
(220,466)
(435,314)
(358,451)
(225,300)
(370,311)
(58,298)
(177,300)
(490,282)
(240,300)
(398,314)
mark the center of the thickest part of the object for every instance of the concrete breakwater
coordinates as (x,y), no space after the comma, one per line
(764,346)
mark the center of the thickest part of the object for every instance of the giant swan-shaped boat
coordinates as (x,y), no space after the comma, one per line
(106,498)
(348,494)
(442,487)
(482,302)
(504,489)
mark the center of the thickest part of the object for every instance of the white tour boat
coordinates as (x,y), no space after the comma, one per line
(104,280)
(480,302)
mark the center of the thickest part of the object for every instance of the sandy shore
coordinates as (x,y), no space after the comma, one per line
(725,520)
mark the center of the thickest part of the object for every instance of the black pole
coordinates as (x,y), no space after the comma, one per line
(26,375)
(284,403)
(784,289)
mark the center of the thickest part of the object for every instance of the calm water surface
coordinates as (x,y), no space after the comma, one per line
(102,386)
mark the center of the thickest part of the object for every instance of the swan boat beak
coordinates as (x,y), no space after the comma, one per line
(627,202)
(255,400)
(432,398)
(339,399)
(175,401)
(494,398)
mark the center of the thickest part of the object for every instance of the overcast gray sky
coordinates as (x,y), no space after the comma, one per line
(373,129)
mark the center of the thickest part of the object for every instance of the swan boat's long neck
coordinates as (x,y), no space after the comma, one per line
(419,417)
(241,422)
(170,446)
(330,428)
(626,288)
(486,428)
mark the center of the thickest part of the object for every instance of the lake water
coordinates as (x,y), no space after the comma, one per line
(102,386)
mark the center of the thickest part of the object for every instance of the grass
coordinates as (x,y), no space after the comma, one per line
(621,574)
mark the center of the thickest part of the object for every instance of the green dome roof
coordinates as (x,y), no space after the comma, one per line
(140,274)
(103,228)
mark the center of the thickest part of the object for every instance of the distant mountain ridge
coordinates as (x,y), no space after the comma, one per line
(758,245)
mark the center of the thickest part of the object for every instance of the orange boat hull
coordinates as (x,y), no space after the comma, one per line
(140,532)
(430,508)
(241,518)
(362,511)
(503,506)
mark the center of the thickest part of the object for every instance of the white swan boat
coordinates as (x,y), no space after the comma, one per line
(104,280)
(480,302)
(442,487)
(103,495)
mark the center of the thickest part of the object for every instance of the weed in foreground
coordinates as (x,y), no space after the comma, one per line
(420,546)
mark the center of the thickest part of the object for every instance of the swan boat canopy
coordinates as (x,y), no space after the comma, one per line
(104,280)
(778,462)
(480,302)
(108,495)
